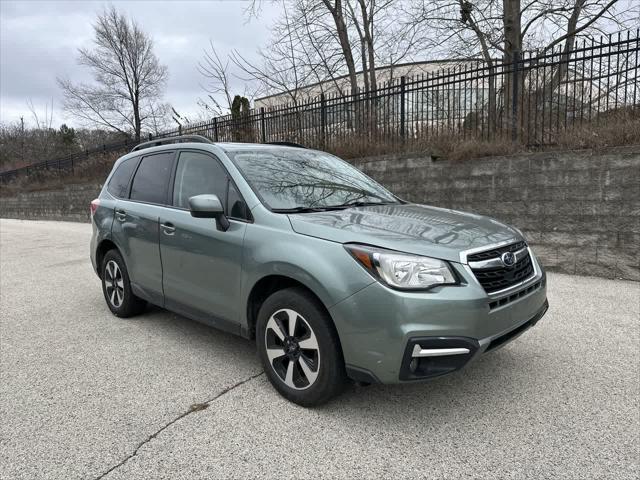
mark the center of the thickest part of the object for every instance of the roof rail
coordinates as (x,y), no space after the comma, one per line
(286,144)
(176,139)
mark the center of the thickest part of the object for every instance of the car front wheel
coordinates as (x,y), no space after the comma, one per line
(299,348)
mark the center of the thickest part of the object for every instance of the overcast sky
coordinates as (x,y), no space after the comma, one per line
(39,41)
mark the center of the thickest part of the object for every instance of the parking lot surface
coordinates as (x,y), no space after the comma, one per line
(84,394)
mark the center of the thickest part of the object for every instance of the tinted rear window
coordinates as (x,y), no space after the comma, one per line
(152,178)
(119,182)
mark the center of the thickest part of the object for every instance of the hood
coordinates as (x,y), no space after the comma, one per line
(411,228)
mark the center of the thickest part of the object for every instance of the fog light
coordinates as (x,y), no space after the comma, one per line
(413,366)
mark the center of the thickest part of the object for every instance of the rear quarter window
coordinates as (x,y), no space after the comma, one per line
(119,183)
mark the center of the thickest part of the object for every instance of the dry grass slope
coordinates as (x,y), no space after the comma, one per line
(612,129)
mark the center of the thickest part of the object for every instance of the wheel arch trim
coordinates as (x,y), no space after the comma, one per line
(104,245)
(268,283)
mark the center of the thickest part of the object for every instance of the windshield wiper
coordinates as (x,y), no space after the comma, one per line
(328,208)
(360,203)
(300,209)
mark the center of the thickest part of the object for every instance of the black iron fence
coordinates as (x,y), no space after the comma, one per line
(532,100)
(68,163)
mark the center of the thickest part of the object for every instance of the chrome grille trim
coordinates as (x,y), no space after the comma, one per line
(493,246)
(496,262)
(537,274)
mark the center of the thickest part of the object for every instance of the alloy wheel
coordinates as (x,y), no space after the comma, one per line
(114,284)
(292,349)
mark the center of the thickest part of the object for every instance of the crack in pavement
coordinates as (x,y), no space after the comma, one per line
(196,407)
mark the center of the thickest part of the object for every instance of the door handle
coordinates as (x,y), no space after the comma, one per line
(121,215)
(168,228)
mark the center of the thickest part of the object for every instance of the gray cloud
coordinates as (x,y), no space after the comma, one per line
(39,42)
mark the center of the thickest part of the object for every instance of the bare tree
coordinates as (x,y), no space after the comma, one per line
(42,123)
(284,65)
(321,42)
(218,81)
(22,143)
(360,16)
(364,17)
(324,40)
(220,76)
(128,78)
(335,8)
(43,135)
(320,45)
(498,28)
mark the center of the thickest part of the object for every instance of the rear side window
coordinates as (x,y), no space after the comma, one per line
(152,178)
(119,182)
(197,174)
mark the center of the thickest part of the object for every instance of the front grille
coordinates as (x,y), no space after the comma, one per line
(496,252)
(499,278)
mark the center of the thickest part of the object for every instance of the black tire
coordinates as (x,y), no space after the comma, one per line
(313,325)
(122,303)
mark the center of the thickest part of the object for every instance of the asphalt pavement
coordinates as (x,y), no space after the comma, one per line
(84,394)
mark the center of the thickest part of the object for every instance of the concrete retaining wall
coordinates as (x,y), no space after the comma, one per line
(580,210)
(70,203)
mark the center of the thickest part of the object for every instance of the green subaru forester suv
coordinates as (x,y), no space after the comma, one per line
(331,274)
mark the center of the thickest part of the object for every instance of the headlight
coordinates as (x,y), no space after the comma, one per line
(403,271)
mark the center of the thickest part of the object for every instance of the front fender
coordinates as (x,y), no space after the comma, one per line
(324,267)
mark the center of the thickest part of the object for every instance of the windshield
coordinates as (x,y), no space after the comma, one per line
(288,179)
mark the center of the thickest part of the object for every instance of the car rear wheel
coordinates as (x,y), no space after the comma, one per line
(299,348)
(117,287)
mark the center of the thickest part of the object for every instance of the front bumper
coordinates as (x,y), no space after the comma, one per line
(429,357)
(379,328)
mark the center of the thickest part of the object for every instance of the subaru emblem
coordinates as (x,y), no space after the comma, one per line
(508,258)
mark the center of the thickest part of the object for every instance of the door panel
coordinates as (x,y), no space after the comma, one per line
(135,231)
(201,267)
(136,227)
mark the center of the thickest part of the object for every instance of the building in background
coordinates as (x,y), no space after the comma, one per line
(341,86)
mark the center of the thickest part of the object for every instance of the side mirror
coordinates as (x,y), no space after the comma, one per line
(209,206)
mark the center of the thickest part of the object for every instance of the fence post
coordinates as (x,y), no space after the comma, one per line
(514,96)
(402,100)
(263,126)
(179,129)
(323,120)
(215,129)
